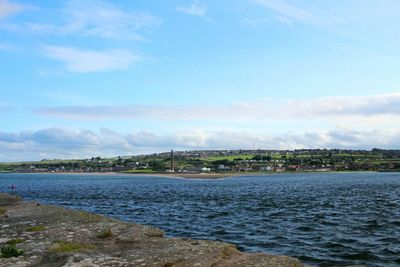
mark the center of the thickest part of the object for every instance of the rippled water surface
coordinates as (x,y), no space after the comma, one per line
(323,219)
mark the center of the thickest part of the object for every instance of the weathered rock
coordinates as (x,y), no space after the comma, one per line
(6,199)
(55,236)
(137,232)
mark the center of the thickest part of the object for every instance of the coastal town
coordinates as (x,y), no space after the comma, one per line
(222,161)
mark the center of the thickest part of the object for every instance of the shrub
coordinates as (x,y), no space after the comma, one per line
(65,247)
(105,234)
(36,228)
(10,251)
(14,241)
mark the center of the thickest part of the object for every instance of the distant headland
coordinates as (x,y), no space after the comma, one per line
(221,163)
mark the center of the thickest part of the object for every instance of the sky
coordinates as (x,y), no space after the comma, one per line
(83,78)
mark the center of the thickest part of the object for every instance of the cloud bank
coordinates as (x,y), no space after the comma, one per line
(64,143)
(361,106)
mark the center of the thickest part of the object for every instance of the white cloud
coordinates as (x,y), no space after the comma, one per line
(195,9)
(290,12)
(117,27)
(384,104)
(374,106)
(8,8)
(91,18)
(85,61)
(63,143)
(59,143)
(102,19)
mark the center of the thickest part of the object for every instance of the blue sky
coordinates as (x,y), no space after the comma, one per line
(84,78)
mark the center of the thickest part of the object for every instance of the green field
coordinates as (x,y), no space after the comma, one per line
(230,157)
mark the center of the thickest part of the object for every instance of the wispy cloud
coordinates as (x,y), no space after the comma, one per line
(9,8)
(65,143)
(275,109)
(102,19)
(118,28)
(7,47)
(195,9)
(288,12)
(85,61)
(5,107)
(91,18)
(254,22)
(285,20)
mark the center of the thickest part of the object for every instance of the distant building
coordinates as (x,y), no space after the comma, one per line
(265,168)
(279,169)
(205,169)
(223,168)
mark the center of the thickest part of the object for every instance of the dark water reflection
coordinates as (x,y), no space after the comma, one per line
(323,219)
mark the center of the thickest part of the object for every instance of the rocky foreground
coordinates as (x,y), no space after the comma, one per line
(32,234)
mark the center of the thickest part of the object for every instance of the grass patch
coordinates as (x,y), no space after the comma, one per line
(87,217)
(228,251)
(2,211)
(105,234)
(10,251)
(37,228)
(15,241)
(65,247)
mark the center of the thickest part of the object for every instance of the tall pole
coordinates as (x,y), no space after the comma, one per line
(172,160)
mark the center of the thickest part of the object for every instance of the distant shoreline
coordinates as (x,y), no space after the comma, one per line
(167,175)
(195,176)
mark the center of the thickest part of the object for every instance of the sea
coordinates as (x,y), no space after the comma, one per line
(323,219)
